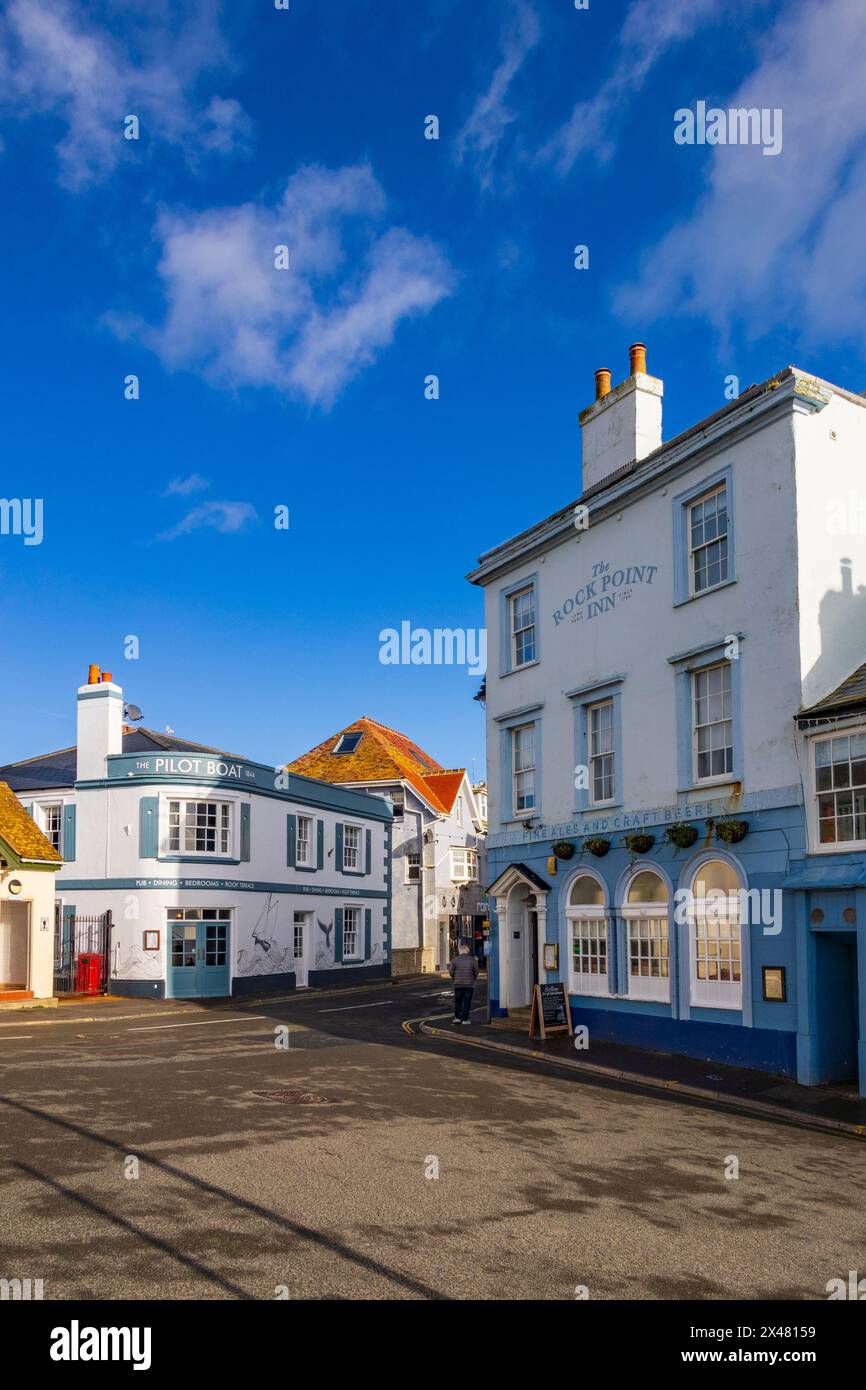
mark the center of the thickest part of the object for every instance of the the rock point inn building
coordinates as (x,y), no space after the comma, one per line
(667,663)
(221,875)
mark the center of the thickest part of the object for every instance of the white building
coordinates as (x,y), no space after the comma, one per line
(192,872)
(651,648)
(440,820)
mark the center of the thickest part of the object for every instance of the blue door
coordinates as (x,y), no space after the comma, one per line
(198,966)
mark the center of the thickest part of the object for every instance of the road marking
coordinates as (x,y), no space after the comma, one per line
(346,1008)
(16,1037)
(158,1027)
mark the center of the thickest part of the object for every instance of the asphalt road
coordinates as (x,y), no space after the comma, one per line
(140,1159)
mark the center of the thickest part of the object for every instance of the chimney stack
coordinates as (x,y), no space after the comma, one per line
(622,424)
(100,724)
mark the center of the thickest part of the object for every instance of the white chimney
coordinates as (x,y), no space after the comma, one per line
(622,424)
(100,724)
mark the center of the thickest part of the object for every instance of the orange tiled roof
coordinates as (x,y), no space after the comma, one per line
(21,833)
(446,785)
(382,755)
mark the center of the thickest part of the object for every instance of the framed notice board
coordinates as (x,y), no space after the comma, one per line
(550,1011)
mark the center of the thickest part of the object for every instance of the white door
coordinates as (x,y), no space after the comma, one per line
(517,944)
(302,933)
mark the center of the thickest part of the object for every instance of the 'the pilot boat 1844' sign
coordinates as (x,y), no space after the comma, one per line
(603,591)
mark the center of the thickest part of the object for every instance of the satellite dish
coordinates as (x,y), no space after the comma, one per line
(132,713)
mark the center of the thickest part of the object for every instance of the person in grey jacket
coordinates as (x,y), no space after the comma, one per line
(464,972)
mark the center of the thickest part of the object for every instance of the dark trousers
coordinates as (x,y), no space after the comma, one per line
(462,1001)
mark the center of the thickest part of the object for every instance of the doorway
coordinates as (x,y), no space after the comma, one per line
(14,946)
(301,932)
(836,1019)
(522,947)
(198,963)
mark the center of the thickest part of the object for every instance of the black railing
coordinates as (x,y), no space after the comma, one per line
(81,945)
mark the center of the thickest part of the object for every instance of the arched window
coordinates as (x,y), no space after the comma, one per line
(716,964)
(588,930)
(646,912)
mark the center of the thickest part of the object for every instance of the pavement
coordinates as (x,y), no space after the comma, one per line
(323,1146)
(830,1107)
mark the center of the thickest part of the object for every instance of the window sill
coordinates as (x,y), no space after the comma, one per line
(844,847)
(194,859)
(514,670)
(353,873)
(519,819)
(694,598)
(711,784)
(304,868)
(598,806)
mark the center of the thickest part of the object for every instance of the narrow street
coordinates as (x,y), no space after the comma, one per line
(545,1182)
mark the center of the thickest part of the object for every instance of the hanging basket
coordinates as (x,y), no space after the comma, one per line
(681,834)
(597,846)
(731,832)
(639,843)
(563,849)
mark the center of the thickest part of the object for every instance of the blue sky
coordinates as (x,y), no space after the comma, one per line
(305,388)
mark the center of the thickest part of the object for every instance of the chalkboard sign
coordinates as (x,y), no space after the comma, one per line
(550,1011)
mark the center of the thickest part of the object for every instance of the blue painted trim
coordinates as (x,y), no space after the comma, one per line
(681,502)
(148,827)
(226,885)
(505,666)
(68,832)
(137,989)
(245,832)
(254,778)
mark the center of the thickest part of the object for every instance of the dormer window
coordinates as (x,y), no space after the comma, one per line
(347,743)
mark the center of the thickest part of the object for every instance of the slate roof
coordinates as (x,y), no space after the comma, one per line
(382,755)
(21,833)
(849,697)
(59,769)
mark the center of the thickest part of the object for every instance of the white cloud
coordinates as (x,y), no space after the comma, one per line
(184,487)
(648,34)
(238,321)
(225,517)
(776,241)
(479,139)
(65,60)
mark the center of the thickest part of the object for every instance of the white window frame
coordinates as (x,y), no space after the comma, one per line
(410,855)
(706,993)
(516,632)
(355,866)
(357,952)
(704,545)
(191,798)
(307,858)
(41,809)
(587,920)
(696,676)
(832,846)
(650,987)
(523,771)
(593,757)
(464,864)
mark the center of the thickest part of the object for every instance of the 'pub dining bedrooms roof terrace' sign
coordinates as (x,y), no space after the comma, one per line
(603,591)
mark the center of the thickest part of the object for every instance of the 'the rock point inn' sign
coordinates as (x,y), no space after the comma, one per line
(603,591)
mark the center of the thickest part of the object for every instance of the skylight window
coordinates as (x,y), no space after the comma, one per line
(347,743)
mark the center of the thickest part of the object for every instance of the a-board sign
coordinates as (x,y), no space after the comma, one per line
(550,1011)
